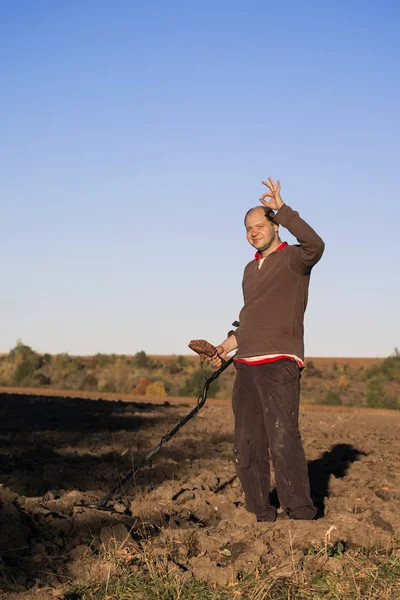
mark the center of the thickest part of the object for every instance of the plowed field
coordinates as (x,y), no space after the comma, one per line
(57,452)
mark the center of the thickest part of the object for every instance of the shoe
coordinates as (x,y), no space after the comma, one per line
(283,516)
(265,520)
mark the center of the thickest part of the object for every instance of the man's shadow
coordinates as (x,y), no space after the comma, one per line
(334,462)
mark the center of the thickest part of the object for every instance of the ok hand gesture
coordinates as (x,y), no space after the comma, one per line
(274,193)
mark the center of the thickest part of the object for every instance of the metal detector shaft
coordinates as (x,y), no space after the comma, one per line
(103,501)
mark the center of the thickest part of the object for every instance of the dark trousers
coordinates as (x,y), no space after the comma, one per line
(266,409)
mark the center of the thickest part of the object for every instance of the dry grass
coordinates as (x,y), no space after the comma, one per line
(326,573)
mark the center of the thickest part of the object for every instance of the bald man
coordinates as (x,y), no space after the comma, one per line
(269,359)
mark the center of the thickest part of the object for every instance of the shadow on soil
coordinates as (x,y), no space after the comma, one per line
(334,462)
(53,443)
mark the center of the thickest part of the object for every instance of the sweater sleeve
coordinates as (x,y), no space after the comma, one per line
(311,247)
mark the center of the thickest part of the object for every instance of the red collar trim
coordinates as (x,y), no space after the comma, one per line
(258,255)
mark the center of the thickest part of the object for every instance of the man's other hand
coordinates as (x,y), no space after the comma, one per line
(274,193)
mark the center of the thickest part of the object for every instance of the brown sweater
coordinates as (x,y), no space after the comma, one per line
(275,296)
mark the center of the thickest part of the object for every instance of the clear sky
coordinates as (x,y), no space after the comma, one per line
(135,135)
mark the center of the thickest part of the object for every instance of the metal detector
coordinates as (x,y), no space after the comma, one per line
(102,503)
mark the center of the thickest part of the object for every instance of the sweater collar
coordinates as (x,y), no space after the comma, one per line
(258,255)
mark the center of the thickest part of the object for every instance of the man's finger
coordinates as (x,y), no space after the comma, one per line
(267,184)
(263,200)
(272,182)
(266,194)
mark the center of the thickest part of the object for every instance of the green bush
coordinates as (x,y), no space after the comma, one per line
(332,399)
(377,395)
(41,379)
(102,360)
(22,352)
(173,367)
(24,370)
(168,385)
(46,359)
(141,360)
(61,361)
(65,371)
(106,386)
(311,370)
(193,385)
(25,361)
(182,361)
(89,383)
(389,368)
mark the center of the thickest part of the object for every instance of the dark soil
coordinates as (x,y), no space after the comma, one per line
(57,452)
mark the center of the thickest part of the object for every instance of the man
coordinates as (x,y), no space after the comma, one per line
(269,358)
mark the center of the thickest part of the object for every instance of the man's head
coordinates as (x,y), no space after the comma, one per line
(261,231)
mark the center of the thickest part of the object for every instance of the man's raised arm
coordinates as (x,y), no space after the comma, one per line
(311,245)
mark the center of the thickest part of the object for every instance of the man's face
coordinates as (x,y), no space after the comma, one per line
(260,231)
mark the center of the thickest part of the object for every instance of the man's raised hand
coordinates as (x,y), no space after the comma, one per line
(274,193)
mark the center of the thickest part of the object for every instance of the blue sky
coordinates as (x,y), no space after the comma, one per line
(134,137)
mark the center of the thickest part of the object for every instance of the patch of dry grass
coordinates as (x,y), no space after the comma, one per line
(327,573)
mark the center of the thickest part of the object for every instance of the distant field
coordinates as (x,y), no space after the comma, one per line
(319,361)
(355,363)
(369,382)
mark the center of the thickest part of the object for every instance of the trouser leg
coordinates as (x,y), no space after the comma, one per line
(278,385)
(251,445)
